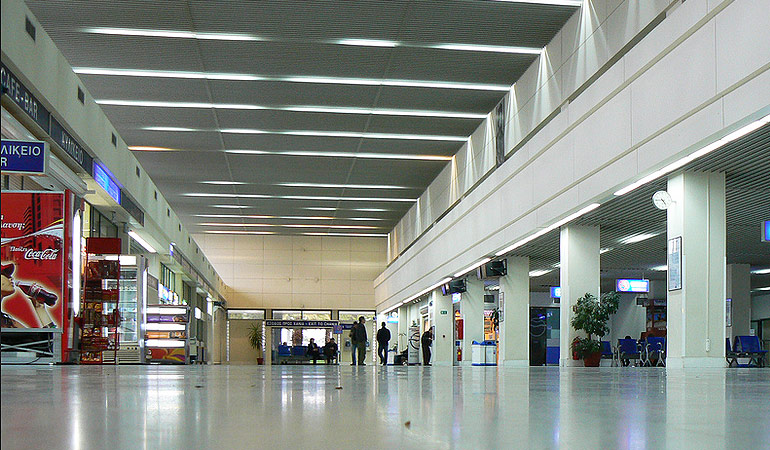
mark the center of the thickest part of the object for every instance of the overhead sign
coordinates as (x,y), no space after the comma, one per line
(25,157)
(632,285)
(456,297)
(103,179)
(555,291)
(303,323)
(20,95)
(766,231)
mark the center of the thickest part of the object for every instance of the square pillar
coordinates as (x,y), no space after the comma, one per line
(444,332)
(403,328)
(514,314)
(579,275)
(739,293)
(472,309)
(696,312)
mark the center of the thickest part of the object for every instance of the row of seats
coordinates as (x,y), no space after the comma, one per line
(297,353)
(651,351)
(745,347)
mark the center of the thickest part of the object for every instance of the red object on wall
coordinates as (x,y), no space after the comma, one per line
(460,328)
(33,257)
(103,246)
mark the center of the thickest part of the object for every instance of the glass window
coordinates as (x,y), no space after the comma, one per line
(245,314)
(316,315)
(351,316)
(287,314)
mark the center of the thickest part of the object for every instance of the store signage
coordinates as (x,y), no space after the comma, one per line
(632,285)
(103,179)
(32,255)
(20,95)
(555,291)
(302,323)
(71,146)
(26,157)
(456,297)
(132,208)
(766,231)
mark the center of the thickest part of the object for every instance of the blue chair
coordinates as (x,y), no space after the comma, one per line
(655,348)
(608,352)
(750,347)
(628,349)
(730,355)
(283,353)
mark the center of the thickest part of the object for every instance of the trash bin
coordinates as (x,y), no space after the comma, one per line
(490,353)
(478,354)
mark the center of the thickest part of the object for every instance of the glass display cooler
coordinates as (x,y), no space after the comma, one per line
(131,307)
(166,334)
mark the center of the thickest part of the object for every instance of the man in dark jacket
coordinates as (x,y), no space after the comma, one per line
(427,340)
(359,341)
(383,336)
(330,351)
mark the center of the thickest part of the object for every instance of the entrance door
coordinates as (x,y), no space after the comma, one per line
(538,336)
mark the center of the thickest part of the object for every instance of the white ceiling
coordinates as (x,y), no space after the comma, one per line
(267,58)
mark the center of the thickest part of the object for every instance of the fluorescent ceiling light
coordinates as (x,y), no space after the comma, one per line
(295,108)
(224,183)
(367,42)
(139,240)
(149,148)
(172,34)
(236,232)
(346,234)
(637,238)
(295,225)
(766,288)
(475,265)
(662,268)
(489,48)
(540,272)
(695,155)
(249,216)
(575,3)
(342,186)
(302,197)
(234,216)
(176,129)
(231,206)
(605,250)
(292,79)
(549,228)
(426,290)
(342,134)
(344,155)
(761,271)
(320,208)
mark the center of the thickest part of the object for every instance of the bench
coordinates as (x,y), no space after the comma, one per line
(297,355)
(628,349)
(749,347)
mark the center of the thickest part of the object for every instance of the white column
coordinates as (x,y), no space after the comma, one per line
(268,346)
(514,315)
(403,328)
(579,275)
(472,309)
(696,312)
(443,320)
(739,293)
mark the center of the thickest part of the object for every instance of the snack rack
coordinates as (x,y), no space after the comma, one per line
(99,328)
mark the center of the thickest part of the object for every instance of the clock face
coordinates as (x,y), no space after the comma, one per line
(662,200)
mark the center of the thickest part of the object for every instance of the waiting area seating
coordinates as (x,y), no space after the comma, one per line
(648,352)
(748,347)
(297,354)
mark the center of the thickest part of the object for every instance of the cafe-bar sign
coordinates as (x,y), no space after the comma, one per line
(24,157)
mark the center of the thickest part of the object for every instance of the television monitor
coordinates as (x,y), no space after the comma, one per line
(454,287)
(489,298)
(493,269)
(633,285)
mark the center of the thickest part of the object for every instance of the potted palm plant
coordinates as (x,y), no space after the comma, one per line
(591,316)
(255,340)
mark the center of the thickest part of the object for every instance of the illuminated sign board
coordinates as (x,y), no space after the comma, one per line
(631,285)
(26,157)
(456,297)
(555,291)
(766,231)
(103,179)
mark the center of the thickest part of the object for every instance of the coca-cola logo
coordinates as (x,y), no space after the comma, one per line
(47,254)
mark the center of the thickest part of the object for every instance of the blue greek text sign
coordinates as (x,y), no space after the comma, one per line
(28,157)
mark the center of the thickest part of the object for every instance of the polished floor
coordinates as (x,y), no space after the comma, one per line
(232,407)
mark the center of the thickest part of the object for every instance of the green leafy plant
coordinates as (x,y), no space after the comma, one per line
(256,337)
(591,316)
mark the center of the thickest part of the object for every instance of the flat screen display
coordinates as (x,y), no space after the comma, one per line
(632,285)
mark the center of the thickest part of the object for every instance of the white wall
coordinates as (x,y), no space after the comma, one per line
(695,77)
(307,272)
(630,320)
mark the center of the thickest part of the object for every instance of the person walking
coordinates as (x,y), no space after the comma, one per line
(427,340)
(383,337)
(360,339)
(353,347)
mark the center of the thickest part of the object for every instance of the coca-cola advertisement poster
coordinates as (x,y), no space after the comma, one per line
(32,260)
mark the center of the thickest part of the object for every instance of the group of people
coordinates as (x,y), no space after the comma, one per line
(358,340)
(329,351)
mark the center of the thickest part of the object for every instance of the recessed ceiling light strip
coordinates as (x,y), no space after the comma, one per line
(302,197)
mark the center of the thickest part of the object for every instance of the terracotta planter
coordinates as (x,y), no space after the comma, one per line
(593,359)
(260,361)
